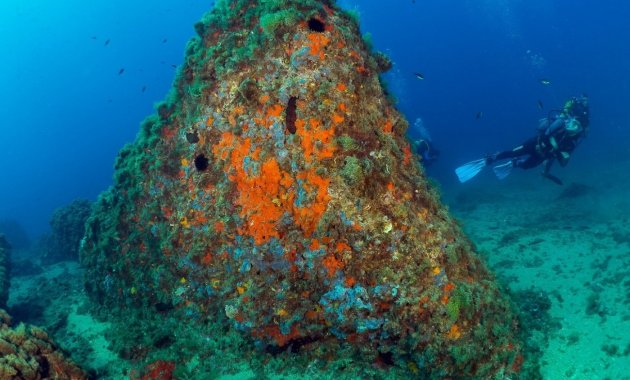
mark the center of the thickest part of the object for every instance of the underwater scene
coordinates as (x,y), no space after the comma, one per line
(315,189)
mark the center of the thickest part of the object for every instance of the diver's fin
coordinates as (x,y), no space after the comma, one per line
(503,170)
(470,169)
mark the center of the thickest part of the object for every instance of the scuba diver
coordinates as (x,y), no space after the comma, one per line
(427,151)
(423,144)
(558,135)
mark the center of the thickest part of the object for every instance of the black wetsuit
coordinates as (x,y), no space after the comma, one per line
(526,155)
(557,144)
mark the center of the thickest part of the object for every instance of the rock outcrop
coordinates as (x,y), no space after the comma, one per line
(274,194)
(67,228)
(5,280)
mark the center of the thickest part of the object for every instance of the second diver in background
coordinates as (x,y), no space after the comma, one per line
(558,135)
(423,144)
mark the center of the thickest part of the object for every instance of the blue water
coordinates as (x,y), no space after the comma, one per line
(66,111)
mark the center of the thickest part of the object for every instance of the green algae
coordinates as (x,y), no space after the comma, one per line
(278,22)
(347,143)
(352,171)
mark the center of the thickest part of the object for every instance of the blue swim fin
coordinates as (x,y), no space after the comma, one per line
(503,170)
(470,169)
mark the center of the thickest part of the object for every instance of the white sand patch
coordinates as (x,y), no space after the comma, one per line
(92,331)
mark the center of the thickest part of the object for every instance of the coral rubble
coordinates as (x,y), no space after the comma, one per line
(274,195)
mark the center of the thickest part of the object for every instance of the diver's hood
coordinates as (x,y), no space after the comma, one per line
(578,108)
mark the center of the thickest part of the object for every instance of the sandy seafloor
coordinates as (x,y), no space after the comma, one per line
(571,242)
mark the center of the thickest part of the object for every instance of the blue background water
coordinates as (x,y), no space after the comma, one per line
(66,111)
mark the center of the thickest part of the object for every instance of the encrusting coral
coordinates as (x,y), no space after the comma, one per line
(274,195)
(27,353)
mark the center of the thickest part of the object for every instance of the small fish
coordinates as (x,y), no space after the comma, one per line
(121,71)
(545,81)
(93,37)
(479,115)
(144,88)
(540,104)
(174,66)
(419,76)
(107,42)
(164,41)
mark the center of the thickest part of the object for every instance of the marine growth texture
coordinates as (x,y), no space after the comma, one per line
(28,353)
(275,192)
